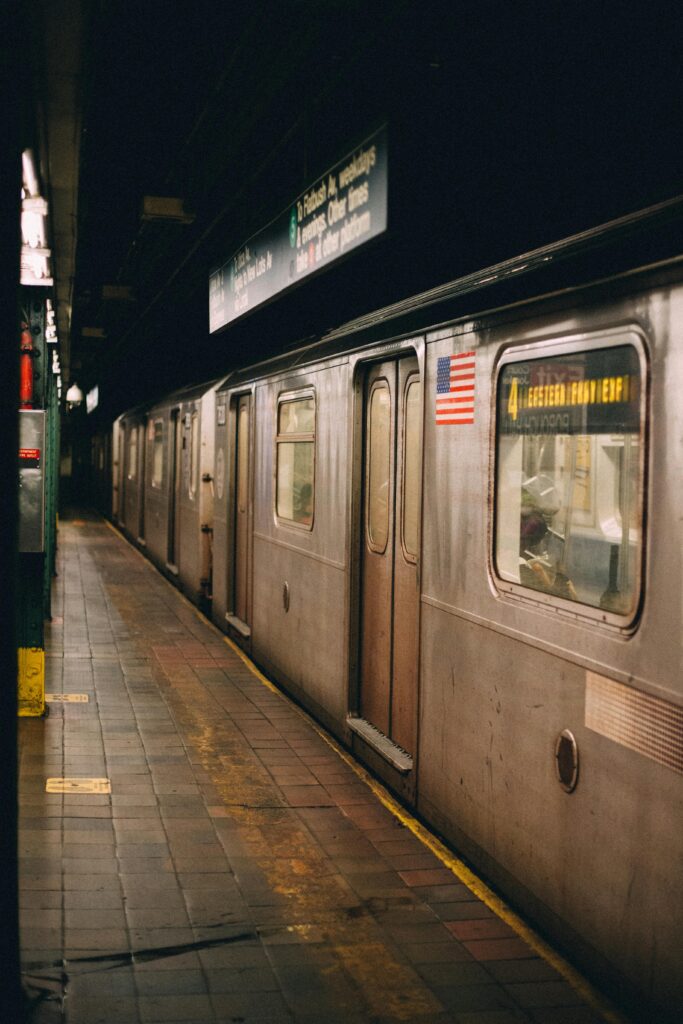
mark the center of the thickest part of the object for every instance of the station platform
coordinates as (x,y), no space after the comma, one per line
(230,863)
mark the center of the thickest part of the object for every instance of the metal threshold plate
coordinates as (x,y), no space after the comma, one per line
(67,698)
(78,786)
(241,627)
(389,750)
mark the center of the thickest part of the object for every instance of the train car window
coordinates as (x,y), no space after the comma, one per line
(569,477)
(411,467)
(158,454)
(379,466)
(194,454)
(295,444)
(133,453)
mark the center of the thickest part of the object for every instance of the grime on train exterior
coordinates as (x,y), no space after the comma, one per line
(459,546)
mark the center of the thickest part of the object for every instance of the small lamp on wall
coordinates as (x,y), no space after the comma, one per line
(74,396)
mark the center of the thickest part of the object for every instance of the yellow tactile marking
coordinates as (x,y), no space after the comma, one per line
(31,681)
(595,999)
(66,698)
(78,786)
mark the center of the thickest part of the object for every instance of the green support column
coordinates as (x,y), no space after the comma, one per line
(51,481)
(33,596)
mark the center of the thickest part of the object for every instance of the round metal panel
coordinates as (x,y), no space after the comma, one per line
(567,760)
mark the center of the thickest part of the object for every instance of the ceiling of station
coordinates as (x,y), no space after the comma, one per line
(508,127)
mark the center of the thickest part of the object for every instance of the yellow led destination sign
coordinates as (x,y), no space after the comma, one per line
(600,390)
(343,209)
(581,393)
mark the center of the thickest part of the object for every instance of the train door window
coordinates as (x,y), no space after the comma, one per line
(378,466)
(194,454)
(412,452)
(133,453)
(158,454)
(295,459)
(569,475)
(241,562)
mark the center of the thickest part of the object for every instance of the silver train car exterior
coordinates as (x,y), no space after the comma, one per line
(163,484)
(460,547)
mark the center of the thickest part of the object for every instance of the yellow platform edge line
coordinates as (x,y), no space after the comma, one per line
(592,996)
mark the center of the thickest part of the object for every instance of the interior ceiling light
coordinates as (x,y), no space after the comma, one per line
(74,395)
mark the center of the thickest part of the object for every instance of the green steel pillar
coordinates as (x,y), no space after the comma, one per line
(34,461)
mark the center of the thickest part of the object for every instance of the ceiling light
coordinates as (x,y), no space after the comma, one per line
(74,395)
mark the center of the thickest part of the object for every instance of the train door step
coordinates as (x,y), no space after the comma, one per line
(237,624)
(390,751)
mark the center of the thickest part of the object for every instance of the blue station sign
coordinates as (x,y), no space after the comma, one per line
(342,210)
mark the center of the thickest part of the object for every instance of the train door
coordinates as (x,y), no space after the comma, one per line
(123,458)
(142,455)
(175,456)
(117,442)
(389,605)
(241,561)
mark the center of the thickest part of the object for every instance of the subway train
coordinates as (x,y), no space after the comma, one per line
(452,530)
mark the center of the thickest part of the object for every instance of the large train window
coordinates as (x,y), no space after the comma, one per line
(569,474)
(157,454)
(295,451)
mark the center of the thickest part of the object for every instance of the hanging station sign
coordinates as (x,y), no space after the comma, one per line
(342,210)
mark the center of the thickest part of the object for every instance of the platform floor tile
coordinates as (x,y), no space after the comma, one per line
(239,870)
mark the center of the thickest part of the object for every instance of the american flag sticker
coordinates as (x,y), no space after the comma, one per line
(455,388)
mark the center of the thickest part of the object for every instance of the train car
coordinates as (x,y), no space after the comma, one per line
(164,484)
(101,471)
(128,472)
(452,530)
